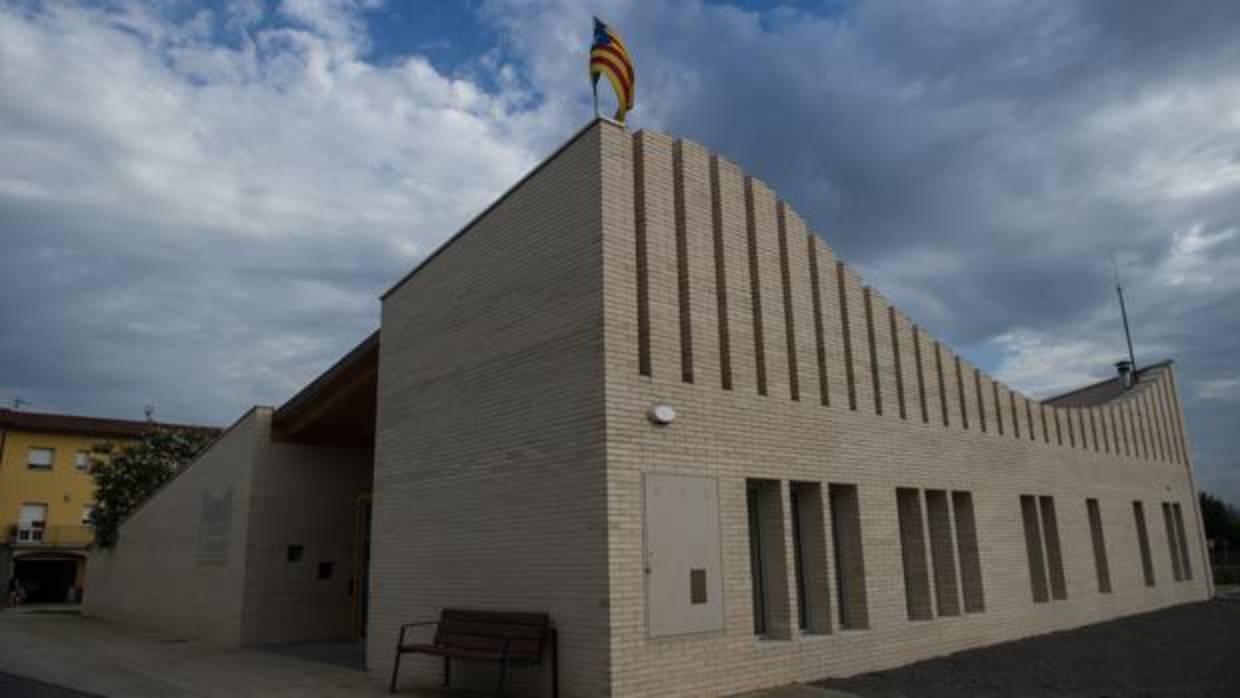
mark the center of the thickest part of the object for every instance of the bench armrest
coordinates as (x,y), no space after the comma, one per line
(401,641)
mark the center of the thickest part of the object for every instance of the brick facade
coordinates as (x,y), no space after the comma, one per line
(932,424)
(207,556)
(519,364)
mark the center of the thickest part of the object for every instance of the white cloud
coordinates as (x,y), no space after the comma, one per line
(1045,365)
(1198,261)
(233,207)
(1226,389)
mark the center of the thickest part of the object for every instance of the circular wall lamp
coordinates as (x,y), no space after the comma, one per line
(662,415)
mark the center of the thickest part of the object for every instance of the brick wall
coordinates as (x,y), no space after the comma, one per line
(489,478)
(787,335)
(206,556)
(306,496)
(175,566)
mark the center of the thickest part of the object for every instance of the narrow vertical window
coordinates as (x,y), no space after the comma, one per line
(867,295)
(1185,562)
(998,408)
(913,555)
(810,555)
(1100,546)
(768,559)
(1054,556)
(819,340)
(981,404)
(970,556)
(1173,545)
(921,375)
(643,282)
(849,558)
(1114,428)
(1093,429)
(1143,540)
(798,558)
(895,353)
(721,277)
(790,328)
(1106,438)
(938,369)
(755,289)
(1033,548)
(942,553)
(964,404)
(682,264)
(846,331)
(757,555)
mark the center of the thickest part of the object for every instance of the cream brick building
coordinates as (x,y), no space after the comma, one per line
(836,491)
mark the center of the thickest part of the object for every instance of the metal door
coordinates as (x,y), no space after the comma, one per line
(683,565)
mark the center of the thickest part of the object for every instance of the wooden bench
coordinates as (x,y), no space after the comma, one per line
(495,636)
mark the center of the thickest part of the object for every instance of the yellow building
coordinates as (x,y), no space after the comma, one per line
(46,496)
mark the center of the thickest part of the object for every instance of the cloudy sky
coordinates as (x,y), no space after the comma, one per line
(201,201)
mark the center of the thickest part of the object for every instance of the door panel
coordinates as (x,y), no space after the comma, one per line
(684,580)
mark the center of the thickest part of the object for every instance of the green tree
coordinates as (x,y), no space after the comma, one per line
(126,476)
(1222,520)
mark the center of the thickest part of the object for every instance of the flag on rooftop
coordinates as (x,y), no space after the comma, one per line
(609,57)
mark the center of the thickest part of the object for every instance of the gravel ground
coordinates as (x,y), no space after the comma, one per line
(1191,650)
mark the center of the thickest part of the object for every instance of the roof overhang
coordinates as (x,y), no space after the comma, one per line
(338,407)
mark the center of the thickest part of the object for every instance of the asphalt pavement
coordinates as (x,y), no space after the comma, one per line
(1191,650)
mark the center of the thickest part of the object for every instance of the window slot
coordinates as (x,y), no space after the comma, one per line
(1143,540)
(1100,546)
(913,555)
(810,555)
(1185,563)
(849,557)
(1173,547)
(970,556)
(1033,548)
(1054,556)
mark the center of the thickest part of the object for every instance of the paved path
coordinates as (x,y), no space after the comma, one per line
(1191,650)
(1185,651)
(97,657)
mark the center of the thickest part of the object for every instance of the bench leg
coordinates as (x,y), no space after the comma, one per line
(555,666)
(395,670)
(503,667)
(447,671)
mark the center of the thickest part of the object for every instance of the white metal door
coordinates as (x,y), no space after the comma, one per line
(684,580)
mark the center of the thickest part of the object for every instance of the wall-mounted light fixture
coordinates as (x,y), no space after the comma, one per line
(662,415)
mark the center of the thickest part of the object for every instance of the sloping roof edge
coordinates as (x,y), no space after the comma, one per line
(44,422)
(358,355)
(1098,384)
(498,200)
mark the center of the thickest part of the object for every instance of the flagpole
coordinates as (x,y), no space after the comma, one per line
(596,98)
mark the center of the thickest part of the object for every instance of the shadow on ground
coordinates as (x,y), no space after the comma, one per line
(1191,650)
(13,686)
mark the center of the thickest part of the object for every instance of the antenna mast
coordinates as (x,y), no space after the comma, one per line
(1123,311)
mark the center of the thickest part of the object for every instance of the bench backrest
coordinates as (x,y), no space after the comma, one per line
(488,631)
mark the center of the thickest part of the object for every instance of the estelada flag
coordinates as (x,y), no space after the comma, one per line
(609,57)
